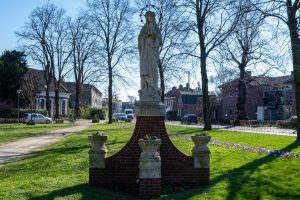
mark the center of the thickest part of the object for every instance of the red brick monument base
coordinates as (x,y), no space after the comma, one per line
(122,169)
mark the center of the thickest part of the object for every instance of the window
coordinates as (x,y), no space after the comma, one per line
(63,107)
(225,112)
(42,104)
(230,112)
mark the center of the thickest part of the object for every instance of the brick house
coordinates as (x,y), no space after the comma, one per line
(267,98)
(90,95)
(184,100)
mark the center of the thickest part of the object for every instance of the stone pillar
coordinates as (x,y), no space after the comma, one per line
(201,152)
(98,151)
(149,168)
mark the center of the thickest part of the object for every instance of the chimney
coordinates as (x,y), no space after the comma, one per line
(187,87)
(174,88)
(248,74)
(292,73)
(180,87)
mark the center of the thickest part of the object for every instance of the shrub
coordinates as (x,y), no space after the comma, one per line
(11,121)
(93,113)
(85,112)
(286,124)
(97,113)
(13,113)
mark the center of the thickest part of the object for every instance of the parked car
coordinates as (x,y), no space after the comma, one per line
(189,118)
(36,118)
(129,113)
(120,116)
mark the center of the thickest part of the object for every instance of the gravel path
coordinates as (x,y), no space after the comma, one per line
(24,147)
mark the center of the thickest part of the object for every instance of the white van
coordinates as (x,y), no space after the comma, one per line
(129,113)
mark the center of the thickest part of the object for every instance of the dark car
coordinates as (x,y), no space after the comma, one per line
(189,118)
(120,116)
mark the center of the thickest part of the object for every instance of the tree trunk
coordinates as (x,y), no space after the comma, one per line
(162,81)
(295,44)
(77,99)
(203,56)
(110,94)
(56,102)
(241,95)
(206,101)
(48,102)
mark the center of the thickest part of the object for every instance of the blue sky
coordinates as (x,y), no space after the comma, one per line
(14,14)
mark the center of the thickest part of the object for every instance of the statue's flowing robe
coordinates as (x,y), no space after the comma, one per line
(149,57)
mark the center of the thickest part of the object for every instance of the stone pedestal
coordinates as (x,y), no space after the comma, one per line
(149,168)
(201,152)
(98,151)
(122,171)
(149,108)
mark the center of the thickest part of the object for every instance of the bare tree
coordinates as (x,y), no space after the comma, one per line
(288,12)
(173,39)
(29,88)
(35,35)
(60,52)
(212,22)
(83,51)
(246,49)
(46,38)
(114,30)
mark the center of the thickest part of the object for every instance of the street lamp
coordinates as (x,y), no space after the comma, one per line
(19,91)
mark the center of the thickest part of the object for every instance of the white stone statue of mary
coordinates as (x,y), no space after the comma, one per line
(149,42)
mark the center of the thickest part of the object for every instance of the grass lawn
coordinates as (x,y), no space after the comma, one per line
(61,171)
(13,132)
(270,142)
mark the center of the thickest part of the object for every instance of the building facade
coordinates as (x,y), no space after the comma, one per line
(40,94)
(184,100)
(267,98)
(90,95)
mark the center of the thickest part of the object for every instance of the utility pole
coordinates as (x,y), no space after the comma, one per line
(19,91)
(188,86)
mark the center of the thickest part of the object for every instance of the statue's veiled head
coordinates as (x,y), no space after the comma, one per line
(150,16)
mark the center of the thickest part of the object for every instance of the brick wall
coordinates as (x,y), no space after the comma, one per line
(121,169)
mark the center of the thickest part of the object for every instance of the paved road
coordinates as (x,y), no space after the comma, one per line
(24,147)
(262,130)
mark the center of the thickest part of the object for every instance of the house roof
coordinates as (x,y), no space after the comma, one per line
(71,86)
(38,76)
(183,91)
(176,91)
(196,93)
(263,81)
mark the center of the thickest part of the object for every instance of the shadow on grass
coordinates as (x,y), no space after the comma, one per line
(65,150)
(84,192)
(241,184)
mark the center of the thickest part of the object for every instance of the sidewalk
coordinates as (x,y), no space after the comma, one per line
(24,147)
(260,130)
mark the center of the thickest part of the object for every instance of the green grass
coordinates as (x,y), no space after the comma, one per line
(61,171)
(13,132)
(270,142)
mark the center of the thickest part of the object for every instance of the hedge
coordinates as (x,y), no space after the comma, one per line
(13,113)
(93,113)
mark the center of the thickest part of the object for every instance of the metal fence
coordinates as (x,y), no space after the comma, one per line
(272,128)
